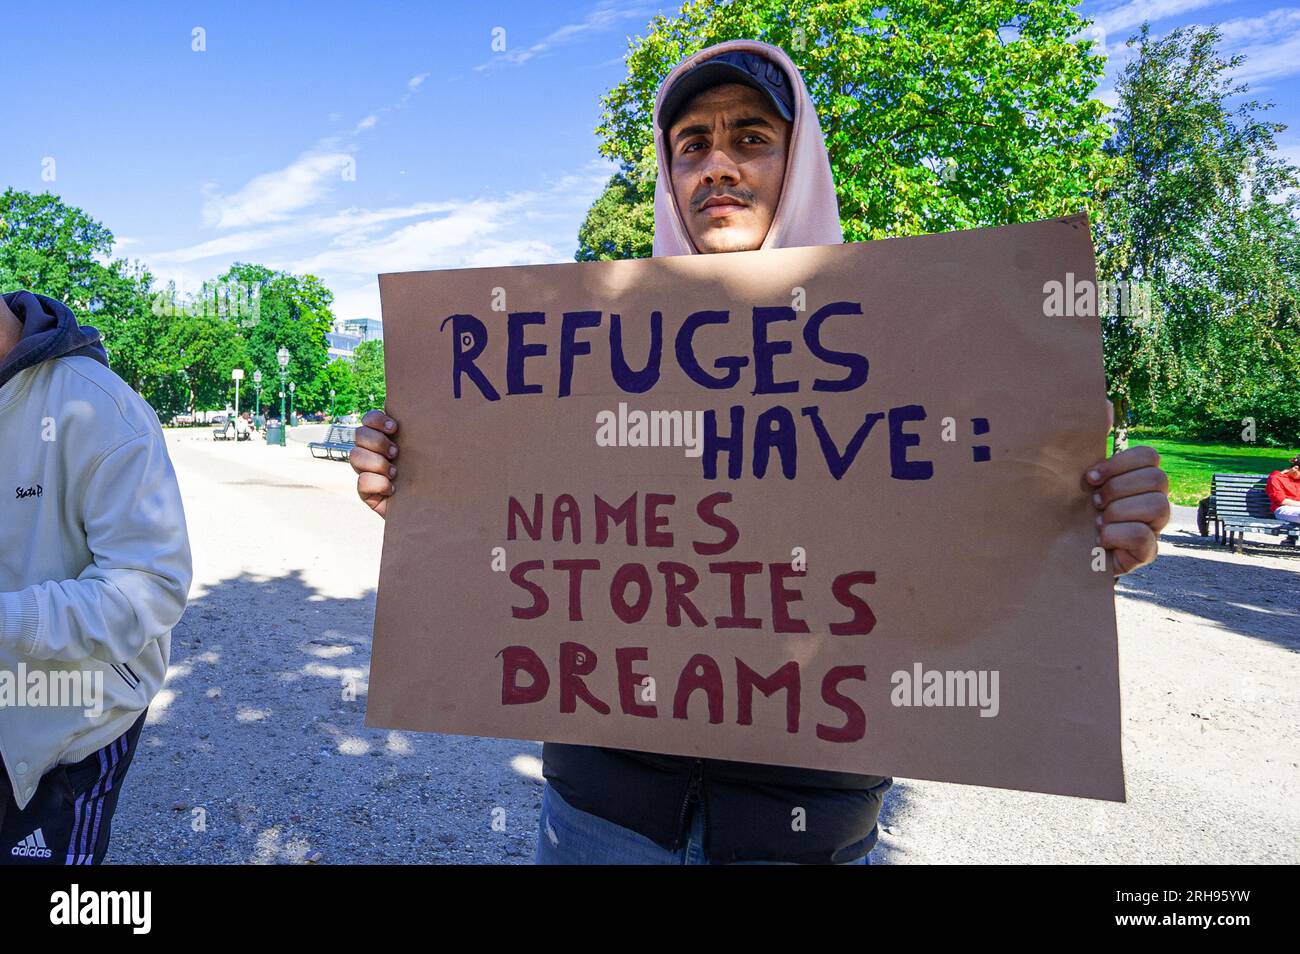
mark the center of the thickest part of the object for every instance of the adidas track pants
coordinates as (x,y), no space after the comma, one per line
(67,822)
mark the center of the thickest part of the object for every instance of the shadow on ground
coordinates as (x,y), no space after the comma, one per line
(1258,600)
(256,750)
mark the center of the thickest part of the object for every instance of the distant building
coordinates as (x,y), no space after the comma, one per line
(341,345)
(367,329)
(350,332)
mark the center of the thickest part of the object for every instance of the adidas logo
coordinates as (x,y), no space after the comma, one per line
(33,846)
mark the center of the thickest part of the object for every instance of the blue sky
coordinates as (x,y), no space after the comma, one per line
(346,139)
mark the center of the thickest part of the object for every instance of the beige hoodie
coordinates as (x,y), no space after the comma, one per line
(807,213)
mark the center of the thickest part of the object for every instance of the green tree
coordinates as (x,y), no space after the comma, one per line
(132,329)
(55,249)
(621,222)
(208,347)
(58,250)
(290,311)
(340,376)
(177,352)
(937,116)
(1197,211)
(372,391)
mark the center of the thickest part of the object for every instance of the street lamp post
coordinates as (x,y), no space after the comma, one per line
(189,391)
(257,383)
(282,357)
(238,375)
(331,405)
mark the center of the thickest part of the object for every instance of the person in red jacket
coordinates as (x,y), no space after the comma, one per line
(1283,491)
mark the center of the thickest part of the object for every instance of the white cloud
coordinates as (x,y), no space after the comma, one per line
(519,228)
(271,218)
(272,196)
(341,227)
(524,228)
(356,301)
(1132,14)
(1270,44)
(437,242)
(188,281)
(349,248)
(602,17)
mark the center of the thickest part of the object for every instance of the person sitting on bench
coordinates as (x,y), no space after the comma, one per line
(1283,490)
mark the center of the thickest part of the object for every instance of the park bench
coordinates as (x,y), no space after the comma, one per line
(337,445)
(1239,505)
(236,430)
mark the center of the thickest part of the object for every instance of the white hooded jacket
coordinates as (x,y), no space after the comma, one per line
(95,561)
(807,212)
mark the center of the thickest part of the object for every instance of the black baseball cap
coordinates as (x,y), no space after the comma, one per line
(734,66)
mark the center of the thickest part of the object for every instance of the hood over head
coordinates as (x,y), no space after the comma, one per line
(807,213)
(50,330)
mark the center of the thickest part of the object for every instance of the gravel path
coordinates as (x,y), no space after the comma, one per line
(256,750)
(261,722)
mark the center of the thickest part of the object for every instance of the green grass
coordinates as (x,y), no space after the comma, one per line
(1190,464)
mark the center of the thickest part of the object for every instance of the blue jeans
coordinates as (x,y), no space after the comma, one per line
(569,836)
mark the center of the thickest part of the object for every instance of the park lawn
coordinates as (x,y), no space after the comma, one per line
(1190,464)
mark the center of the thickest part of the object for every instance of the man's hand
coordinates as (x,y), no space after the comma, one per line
(374,459)
(1131,494)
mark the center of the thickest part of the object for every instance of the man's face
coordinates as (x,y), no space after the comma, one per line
(727,155)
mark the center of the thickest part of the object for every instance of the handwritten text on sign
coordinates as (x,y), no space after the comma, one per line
(755,506)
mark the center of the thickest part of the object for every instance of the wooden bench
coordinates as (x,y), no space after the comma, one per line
(337,445)
(1241,506)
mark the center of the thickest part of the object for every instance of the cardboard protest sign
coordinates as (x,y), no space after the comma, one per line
(820,507)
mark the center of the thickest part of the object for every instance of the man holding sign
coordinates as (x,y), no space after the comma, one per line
(742,166)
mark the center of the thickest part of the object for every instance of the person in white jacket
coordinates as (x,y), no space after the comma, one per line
(94,573)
